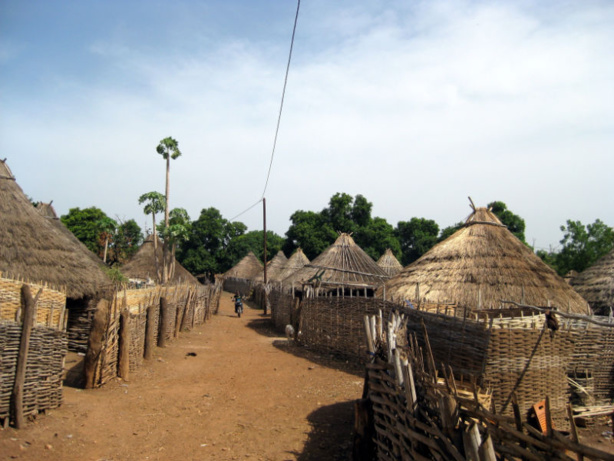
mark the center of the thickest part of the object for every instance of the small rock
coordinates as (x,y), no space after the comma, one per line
(48,447)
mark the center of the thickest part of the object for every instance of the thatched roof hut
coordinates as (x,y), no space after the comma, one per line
(296,262)
(389,263)
(47,211)
(273,268)
(343,264)
(248,268)
(142,265)
(480,265)
(31,247)
(596,284)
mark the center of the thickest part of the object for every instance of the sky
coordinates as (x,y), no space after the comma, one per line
(416,105)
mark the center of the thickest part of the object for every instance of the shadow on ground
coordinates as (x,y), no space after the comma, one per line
(331,434)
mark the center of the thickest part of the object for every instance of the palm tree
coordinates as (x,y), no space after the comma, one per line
(156,203)
(168,149)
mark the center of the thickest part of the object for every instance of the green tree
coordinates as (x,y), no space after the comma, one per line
(449,231)
(376,236)
(85,224)
(128,238)
(310,231)
(583,245)
(205,250)
(340,213)
(168,149)
(107,227)
(175,233)
(416,237)
(514,223)
(154,203)
(253,241)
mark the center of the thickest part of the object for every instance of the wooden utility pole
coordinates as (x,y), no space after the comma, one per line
(266,298)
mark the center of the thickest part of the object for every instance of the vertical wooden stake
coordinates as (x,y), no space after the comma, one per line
(29,306)
(149,333)
(123,369)
(100,323)
(163,322)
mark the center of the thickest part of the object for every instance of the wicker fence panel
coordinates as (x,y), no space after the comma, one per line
(43,384)
(282,305)
(50,308)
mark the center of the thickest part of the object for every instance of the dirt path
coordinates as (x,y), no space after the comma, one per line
(246,395)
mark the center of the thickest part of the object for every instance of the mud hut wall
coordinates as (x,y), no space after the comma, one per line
(592,361)
(44,367)
(336,324)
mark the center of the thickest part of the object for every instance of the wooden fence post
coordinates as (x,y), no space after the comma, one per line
(149,333)
(100,323)
(123,369)
(29,307)
(164,318)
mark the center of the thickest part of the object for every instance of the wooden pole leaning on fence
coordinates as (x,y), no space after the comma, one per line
(150,331)
(164,320)
(100,322)
(123,368)
(29,309)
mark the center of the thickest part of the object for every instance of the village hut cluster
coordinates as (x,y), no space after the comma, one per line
(56,297)
(494,317)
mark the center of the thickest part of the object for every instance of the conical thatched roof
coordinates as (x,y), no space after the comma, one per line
(296,262)
(31,247)
(596,284)
(143,264)
(273,268)
(46,210)
(389,263)
(248,268)
(342,264)
(480,265)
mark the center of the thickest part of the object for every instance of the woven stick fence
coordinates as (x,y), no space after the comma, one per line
(186,306)
(32,349)
(415,412)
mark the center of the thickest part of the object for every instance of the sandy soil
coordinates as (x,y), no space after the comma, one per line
(231,389)
(245,394)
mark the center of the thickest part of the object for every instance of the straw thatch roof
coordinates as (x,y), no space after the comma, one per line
(248,268)
(143,264)
(296,262)
(31,247)
(389,263)
(480,265)
(273,268)
(47,211)
(342,264)
(596,284)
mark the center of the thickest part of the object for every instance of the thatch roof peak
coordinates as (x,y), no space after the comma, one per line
(296,262)
(344,263)
(389,263)
(32,247)
(596,284)
(480,265)
(143,264)
(274,267)
(248,268)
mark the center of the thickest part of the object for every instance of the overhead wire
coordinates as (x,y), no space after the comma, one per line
(281,106)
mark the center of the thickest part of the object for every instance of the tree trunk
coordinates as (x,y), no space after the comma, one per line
(123,369)
(155,243)
(106,248)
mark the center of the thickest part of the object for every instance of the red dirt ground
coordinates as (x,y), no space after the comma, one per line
(246,395)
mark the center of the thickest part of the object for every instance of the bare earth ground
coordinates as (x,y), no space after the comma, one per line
(245,395)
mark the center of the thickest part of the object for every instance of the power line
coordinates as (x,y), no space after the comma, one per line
(283,94)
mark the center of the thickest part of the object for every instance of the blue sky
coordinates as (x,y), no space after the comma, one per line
(415,105)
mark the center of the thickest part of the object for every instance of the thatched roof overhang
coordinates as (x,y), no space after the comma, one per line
(480,265)
(342,264)
(596,284)
(33,248)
